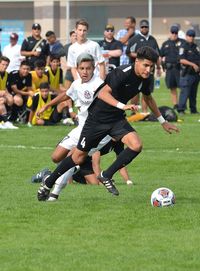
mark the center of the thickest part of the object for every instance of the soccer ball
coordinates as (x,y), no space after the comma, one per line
(162,197)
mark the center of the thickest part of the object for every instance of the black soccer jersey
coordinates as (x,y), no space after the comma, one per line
(125,84)
(21,82)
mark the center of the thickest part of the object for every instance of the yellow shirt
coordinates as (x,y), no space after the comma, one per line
(54,79)
(36,81)
(3,81)
(46,114)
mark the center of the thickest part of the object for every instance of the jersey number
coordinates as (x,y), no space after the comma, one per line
(83,142)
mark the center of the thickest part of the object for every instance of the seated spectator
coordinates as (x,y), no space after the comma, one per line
(112,48)
(38,77)
(55,47)
(20,85)
(6,99)
(52,115)
(12,51)
(55,74)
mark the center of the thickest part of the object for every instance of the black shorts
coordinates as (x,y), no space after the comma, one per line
(116,146)
(172,78)
(54,118)
(93,132)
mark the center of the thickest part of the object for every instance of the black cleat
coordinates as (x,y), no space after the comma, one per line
(43,193)
(40,175)
(108,184)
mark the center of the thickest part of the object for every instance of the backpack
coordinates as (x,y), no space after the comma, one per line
(167,112)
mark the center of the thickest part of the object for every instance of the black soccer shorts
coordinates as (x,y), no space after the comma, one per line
(93,132)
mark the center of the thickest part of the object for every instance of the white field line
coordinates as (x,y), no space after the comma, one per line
(2,146)
(176,150)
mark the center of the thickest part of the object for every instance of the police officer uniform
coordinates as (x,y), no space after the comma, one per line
(170,52)
(29,44)
(189,78)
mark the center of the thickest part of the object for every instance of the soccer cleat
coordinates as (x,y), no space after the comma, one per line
(108,184)
(43,192)
(9,125)
(40,175)
(52,197)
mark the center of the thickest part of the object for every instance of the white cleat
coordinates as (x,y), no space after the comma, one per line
(9,125)
(129,182)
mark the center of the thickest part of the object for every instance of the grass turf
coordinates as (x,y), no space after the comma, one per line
(88,229)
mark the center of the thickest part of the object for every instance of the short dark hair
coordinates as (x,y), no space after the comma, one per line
(39,63)
(52,57)
(82,22)
(71,33)
(44,85)
(4,58)
(132,19)
(49,33)
(147,52)
(25,63)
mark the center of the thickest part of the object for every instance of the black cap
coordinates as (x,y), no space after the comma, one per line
(174,29)
(191,33)
(36,26)
(144,23)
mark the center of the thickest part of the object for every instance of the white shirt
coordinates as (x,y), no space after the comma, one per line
(13,53)
(82,94)
(90,47)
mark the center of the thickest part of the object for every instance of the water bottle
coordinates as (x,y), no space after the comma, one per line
(157,83)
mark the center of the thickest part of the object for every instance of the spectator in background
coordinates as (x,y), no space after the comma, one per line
(35,47)
(6,99)
(13,52)
(84,45)
(68,75)
(20,85)
(124,35)
(111,47)
(38,77)
(138,41)
(55,47)
(55,74)
(190,67)
(52,115)
(170,61)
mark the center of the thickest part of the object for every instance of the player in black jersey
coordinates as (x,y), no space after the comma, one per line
(107,117)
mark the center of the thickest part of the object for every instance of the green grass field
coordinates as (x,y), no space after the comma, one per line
(90,230)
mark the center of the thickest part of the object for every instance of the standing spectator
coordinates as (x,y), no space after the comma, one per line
(170,60)
(6,99)
(190,68)
(55,47)
(68,75)
(13,52)
(112,47)
(181,33)
(20,84)
(124,35)
(138,41)
(84,45)
(35,47)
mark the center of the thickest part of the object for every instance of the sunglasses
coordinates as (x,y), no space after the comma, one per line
(144,27)
(191,36)
(36,28)
(174,33)
(109,30)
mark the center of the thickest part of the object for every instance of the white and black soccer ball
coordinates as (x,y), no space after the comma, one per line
(162,197)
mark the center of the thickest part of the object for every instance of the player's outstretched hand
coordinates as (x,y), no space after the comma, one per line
(39,112)
(131,107)
(170,127)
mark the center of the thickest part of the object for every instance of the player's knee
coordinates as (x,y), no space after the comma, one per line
(138,147)
(79,157)
(55,158)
